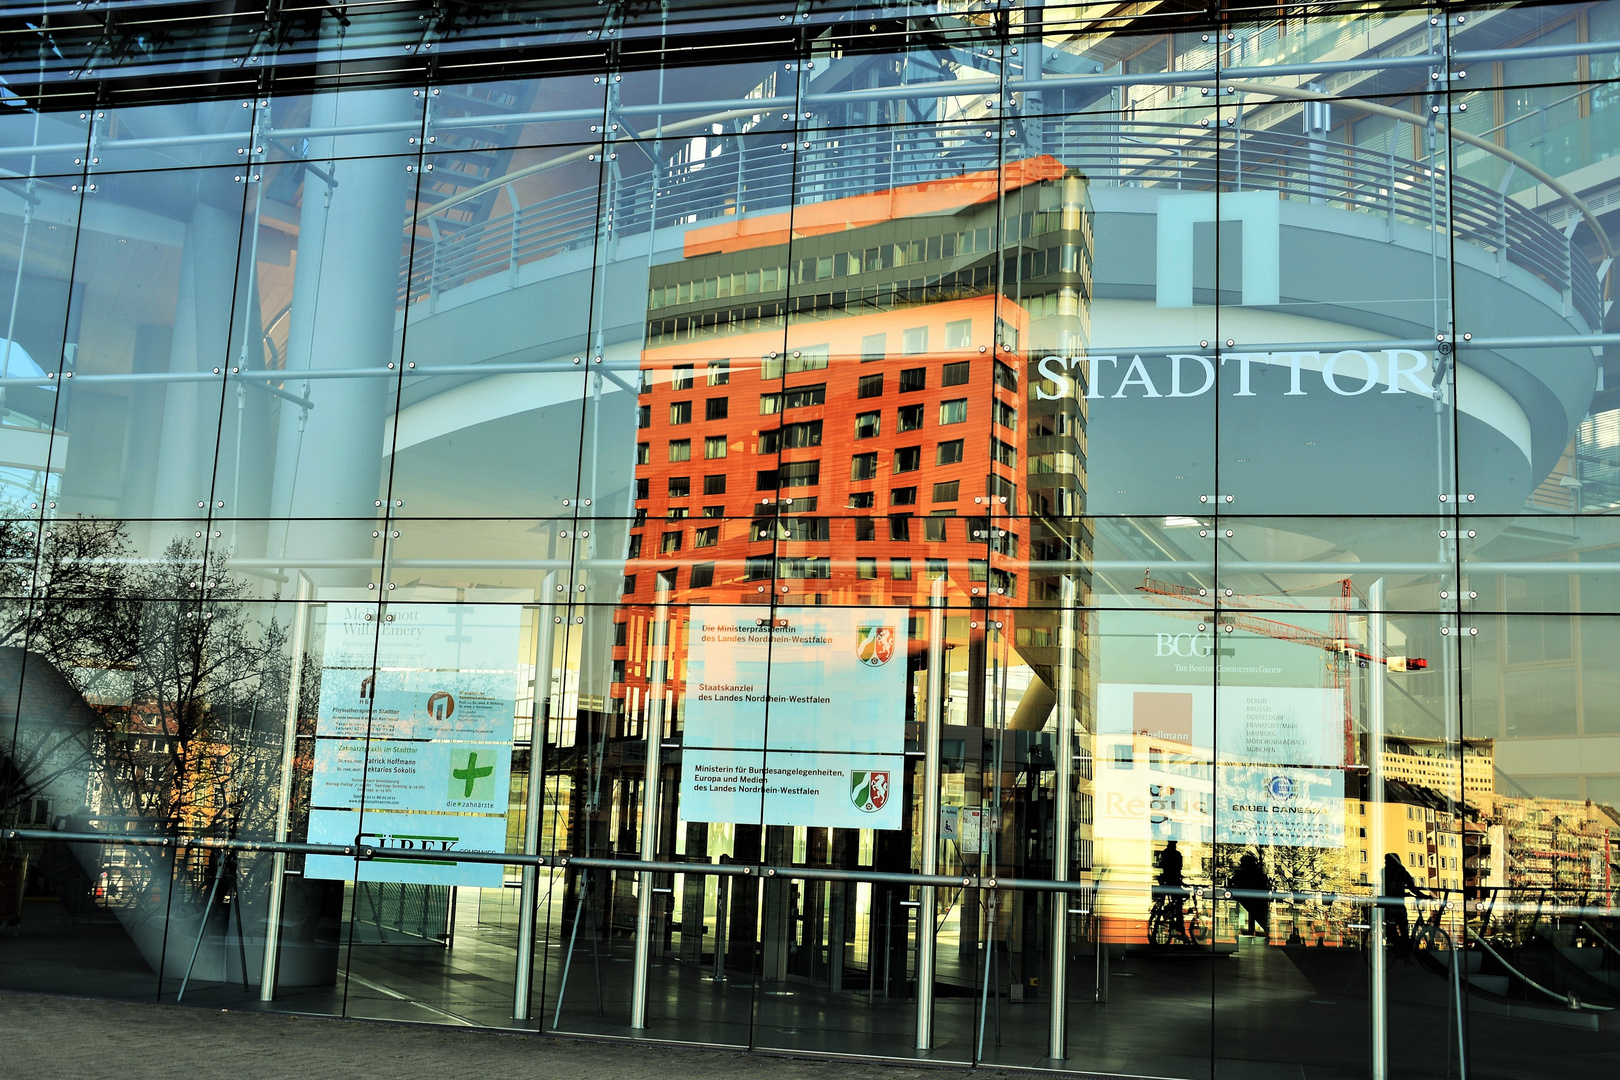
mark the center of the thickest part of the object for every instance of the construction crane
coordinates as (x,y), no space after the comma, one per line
(1338,651)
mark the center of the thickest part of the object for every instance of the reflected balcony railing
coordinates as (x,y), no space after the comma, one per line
(750,178)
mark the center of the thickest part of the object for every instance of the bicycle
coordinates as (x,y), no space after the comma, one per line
(1164,926)
(1427,933)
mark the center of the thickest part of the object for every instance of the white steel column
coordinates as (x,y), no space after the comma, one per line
(1375,798)
(649,809)
(289,745)
(1058,1033)
(930,815)
(545,636)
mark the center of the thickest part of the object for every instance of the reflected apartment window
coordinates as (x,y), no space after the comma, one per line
(680,412)
(715,485)
(909,458)
(946,492)
(702,575)
(799,397)
(864,466)
(714,447)
(900,569)
(953,412)
(671,542)
(808,358)
(870,386)
(643,453)
(680,487)
(707,536)
(903,496)
(909,418)
(913,379)
(715,408)
(719,373)
(956,374)
(959,334)
(800,474)
(914,340)
(867,424)
(682,378)
(680,450)
(949,453)
(874,347)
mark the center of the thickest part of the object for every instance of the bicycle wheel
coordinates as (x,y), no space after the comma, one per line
(1197,931)
(1158,929)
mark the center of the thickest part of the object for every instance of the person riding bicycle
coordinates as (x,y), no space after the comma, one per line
(1398,885)
(1175,894)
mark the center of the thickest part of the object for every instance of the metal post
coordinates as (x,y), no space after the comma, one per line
(1375,796)
(544,635)
(930,815)
(289,743)
(1058,1033)
(649,811)
(1318,125)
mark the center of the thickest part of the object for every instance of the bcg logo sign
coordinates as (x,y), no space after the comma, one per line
(1183,644)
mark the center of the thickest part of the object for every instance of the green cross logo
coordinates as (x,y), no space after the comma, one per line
(469,776)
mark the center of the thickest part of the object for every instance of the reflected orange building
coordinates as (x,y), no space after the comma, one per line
(834,403)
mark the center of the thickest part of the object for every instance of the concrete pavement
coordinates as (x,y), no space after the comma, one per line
(45,1038)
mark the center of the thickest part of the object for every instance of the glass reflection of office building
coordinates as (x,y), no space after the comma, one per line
(1010,534)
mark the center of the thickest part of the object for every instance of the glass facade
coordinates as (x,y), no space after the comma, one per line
(1033,535)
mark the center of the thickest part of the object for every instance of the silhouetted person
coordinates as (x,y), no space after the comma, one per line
(1170,878)
(1250,877)
(1398,885)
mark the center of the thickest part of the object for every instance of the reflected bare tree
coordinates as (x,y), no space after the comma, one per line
(188,686)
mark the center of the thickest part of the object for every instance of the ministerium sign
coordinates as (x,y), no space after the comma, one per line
(414,751)
(795,716)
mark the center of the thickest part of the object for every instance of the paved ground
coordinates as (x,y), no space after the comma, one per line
(46,1038)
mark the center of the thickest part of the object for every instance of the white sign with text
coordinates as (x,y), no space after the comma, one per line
(795,716)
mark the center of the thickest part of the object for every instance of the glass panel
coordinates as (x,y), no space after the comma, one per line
(628,692)
(159,249)
(415,750)
(1313,378)
(309,414)
(677,393)
(39,231)
(478,123)
(1115,269)
(1145,761)
(1539,766)
(38,142)
(478,382)
(958,77)
(1540,564)
(1308,737)
(1531,397)
(1324,564)
(178,135)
